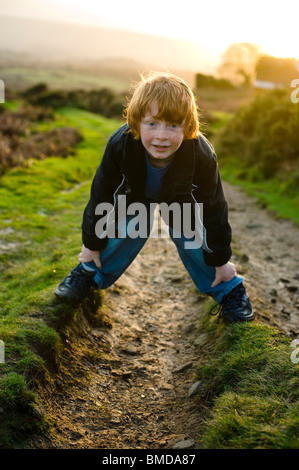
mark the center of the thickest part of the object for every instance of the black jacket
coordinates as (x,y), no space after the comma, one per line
(192,177)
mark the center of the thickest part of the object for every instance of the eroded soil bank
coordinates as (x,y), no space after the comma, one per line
(138,392)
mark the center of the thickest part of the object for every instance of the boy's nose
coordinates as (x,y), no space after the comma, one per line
(162,133)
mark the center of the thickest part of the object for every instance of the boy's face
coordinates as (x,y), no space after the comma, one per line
(161,139)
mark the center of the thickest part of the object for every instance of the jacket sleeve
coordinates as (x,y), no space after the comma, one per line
(104,184)
(209,191)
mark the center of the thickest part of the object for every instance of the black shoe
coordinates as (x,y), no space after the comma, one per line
(235,306)
(77,285)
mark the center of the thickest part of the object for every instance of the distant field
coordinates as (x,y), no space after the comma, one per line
(118,80)
(19,78)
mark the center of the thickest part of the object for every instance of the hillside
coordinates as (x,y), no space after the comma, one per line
(41,43)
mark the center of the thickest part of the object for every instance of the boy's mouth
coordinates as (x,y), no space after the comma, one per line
(161,147)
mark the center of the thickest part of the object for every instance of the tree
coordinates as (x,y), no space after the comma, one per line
(238,63)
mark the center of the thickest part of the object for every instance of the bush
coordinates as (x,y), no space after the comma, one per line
(203,81)
(264,135)
(104,101)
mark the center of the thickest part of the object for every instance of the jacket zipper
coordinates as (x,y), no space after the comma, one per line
(114,205)
(204,232)
(205,245)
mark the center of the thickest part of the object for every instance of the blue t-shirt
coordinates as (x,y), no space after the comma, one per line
(154,180)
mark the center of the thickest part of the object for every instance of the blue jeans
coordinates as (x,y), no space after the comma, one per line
(119,253)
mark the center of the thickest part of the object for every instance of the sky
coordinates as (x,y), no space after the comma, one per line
(272,24)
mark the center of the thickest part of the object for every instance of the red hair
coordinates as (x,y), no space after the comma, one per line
(175,100)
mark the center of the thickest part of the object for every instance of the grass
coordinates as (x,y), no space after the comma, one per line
(41,207)
(250,385)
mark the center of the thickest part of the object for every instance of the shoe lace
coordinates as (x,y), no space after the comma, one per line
(80,282)
(215,310)
(231,298)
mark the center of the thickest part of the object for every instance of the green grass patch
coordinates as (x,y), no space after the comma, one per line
(276,194)
(41,207)
(12,105)
(251,387)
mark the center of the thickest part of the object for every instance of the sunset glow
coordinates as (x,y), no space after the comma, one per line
(216,24)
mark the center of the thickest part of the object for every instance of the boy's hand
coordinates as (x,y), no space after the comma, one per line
(224,273)
(87,255)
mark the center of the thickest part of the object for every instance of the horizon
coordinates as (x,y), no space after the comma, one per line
(73,42)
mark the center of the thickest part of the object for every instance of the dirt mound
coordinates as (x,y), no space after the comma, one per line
(59,142)
(18,143)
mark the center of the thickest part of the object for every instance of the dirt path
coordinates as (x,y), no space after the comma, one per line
(138,392)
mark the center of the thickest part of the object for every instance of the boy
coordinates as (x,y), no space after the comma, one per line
(159,156)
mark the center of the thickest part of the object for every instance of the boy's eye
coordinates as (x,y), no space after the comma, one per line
(173,126)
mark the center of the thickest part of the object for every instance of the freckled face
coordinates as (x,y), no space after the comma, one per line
(161,139)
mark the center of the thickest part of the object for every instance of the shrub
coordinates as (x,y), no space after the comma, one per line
(264,135)
(103,101)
